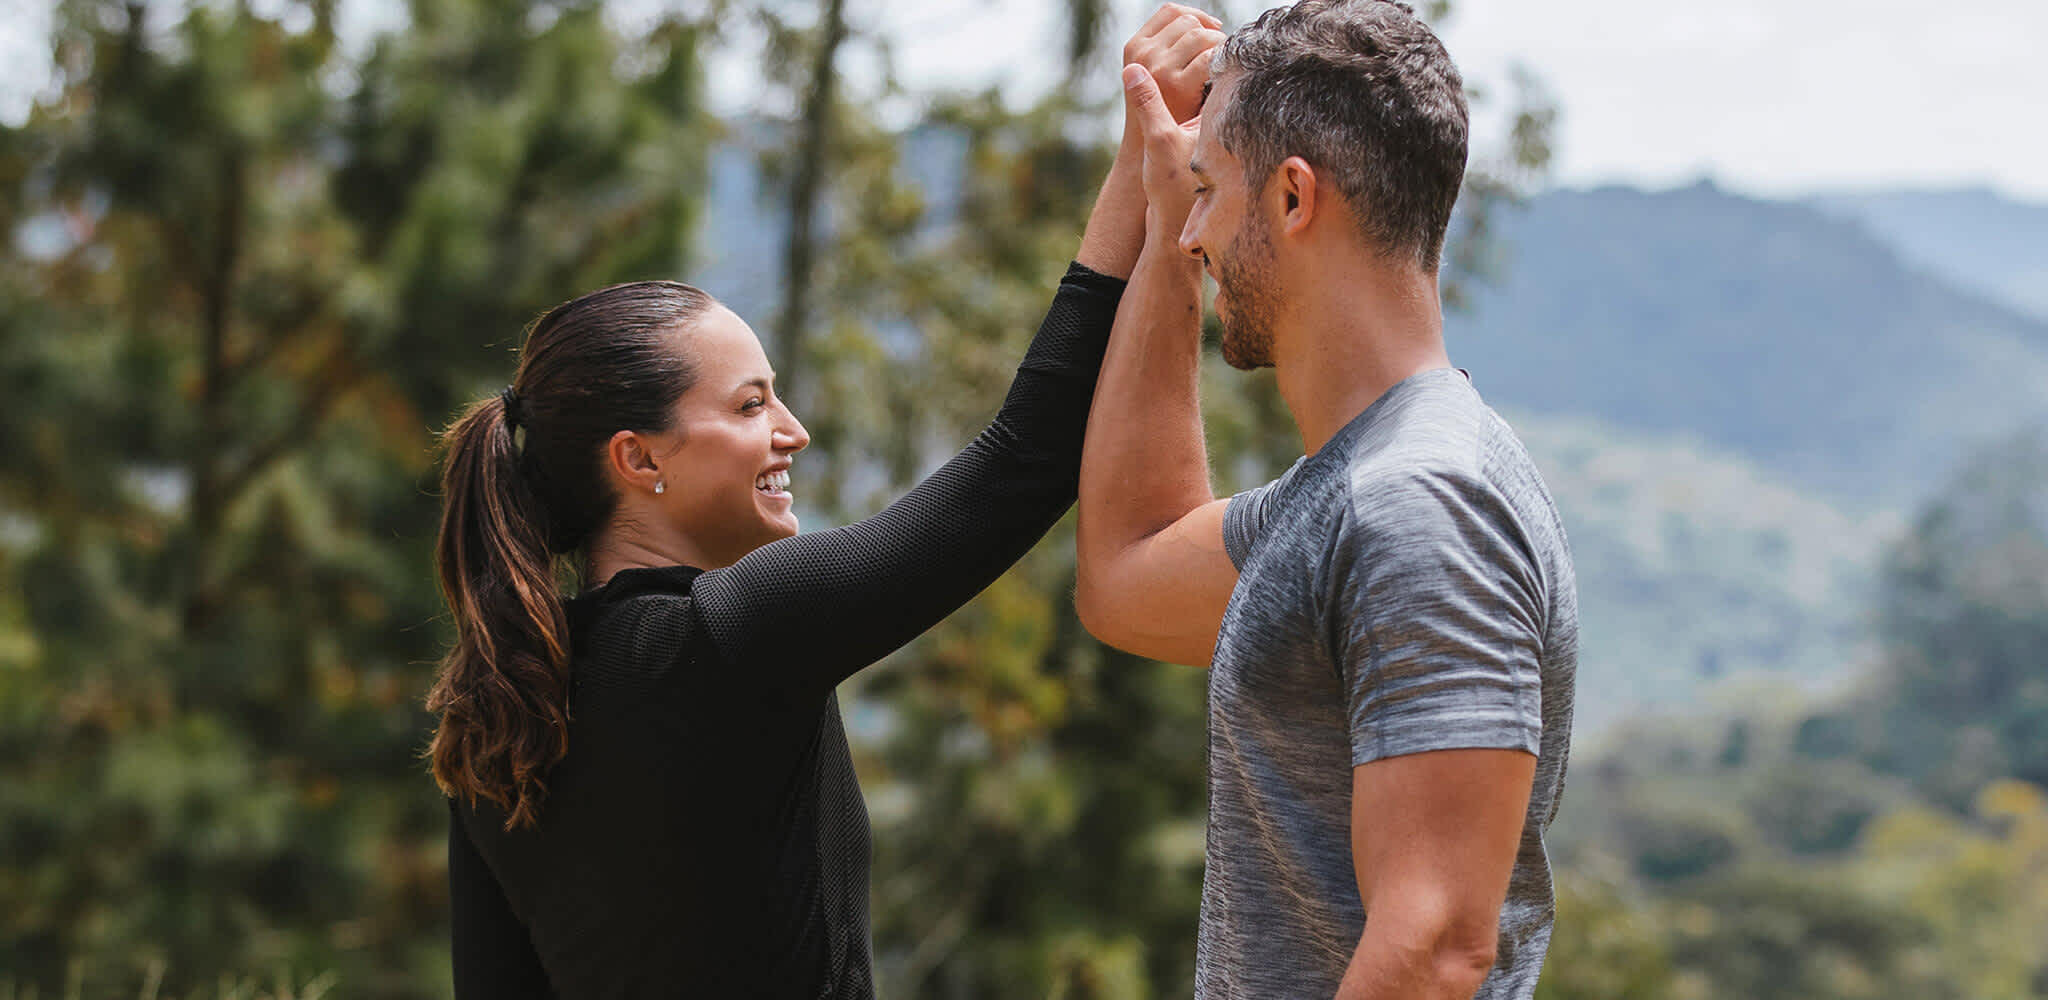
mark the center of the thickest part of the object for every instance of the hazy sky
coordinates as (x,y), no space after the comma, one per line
(1771,96)
(1768,96)
(1783,95)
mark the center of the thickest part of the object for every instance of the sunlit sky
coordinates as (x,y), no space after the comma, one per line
(1774,97)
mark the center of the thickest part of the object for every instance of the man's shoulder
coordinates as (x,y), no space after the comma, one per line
(1436,458)
(1444,450)
(1468,488)
(1416,468)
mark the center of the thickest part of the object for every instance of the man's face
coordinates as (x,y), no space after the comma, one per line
(1234,241)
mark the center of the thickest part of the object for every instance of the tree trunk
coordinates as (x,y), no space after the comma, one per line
(806,187)
(208,468)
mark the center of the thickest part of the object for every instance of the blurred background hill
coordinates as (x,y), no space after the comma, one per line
(1815,346)
(1974,238)
(257,257)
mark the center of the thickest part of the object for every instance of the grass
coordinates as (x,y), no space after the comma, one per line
(229,988)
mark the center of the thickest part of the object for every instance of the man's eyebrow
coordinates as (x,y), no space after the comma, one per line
(760,382)
(1207,85)
(1195,167)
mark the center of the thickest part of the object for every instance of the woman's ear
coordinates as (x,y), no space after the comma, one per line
(630,458)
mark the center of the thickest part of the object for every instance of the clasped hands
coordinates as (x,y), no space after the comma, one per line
(1165,78)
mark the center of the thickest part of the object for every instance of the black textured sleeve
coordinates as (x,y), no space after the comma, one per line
(494,956)
(814,609)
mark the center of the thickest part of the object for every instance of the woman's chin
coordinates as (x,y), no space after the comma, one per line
(776,513)
(780,514)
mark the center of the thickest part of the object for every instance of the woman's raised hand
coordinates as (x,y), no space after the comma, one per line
(1175,47)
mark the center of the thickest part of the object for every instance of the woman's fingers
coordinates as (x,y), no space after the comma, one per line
(1187,49)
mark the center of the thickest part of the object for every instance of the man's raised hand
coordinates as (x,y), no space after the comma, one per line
(1152,575)
(1168,143)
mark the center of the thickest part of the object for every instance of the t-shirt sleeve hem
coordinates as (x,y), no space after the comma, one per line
(1238,529)
(1472,734)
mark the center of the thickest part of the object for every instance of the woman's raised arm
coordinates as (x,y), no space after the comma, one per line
(815,608)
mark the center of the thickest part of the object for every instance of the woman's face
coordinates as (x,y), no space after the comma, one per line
(726,484)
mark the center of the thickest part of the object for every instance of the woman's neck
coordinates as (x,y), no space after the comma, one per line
(615,549)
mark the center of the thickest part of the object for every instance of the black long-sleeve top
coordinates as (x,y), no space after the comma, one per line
(705,834)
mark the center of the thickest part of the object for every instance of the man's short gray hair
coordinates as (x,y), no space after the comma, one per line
(1364,92)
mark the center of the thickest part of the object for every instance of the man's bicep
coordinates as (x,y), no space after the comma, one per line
(1434,837)
(1163,596)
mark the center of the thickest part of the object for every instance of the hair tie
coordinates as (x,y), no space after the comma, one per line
(514,413)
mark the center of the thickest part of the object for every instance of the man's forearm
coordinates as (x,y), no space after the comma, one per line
(1116,225)
(1144,464)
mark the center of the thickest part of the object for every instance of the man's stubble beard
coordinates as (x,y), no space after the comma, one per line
(1246,276)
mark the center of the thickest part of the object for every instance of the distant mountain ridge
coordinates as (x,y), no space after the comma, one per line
(1972,237)
(1771,329)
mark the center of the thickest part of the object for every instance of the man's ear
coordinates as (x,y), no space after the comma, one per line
(630,457)
(1295,186)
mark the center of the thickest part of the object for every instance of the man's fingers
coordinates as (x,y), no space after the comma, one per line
(1143,103)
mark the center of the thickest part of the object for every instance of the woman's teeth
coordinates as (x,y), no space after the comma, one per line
(772,482)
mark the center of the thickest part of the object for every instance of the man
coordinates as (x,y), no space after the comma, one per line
(1391,626)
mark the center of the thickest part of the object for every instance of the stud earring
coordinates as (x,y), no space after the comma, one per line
(659,486)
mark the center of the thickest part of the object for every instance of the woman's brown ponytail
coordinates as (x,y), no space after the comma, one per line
(503,693)
(523,485)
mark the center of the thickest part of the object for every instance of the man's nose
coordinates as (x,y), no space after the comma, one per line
(1190,243)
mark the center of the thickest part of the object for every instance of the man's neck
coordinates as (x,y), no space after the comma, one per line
(1350,340)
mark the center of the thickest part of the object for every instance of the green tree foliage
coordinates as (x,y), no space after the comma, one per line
(1607,946)
(1979,881)
(1965,610)
(1929,904)
(257,274)
(1884,843)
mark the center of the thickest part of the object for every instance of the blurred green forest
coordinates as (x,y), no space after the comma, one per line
(252,267)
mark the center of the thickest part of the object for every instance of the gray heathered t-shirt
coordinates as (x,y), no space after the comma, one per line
(1406,588)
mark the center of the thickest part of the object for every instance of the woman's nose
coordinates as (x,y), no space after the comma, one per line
(791,436)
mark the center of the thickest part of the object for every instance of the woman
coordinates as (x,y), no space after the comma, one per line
(650,784)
